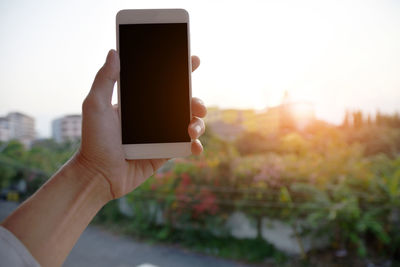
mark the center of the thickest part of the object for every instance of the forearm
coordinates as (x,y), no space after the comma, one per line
(51,221)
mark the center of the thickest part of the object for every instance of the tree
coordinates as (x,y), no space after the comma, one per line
(346,121)
(13,153)
(254,142)
(358,119)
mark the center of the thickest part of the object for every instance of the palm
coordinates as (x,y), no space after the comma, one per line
(101,146)
(129,174)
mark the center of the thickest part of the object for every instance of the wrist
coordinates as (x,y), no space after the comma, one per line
(96,185)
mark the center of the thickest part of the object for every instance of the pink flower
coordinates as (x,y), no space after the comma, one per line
(185,179)
(207,203)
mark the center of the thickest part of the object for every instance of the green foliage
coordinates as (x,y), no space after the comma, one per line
(254,143)
(34,165)
(337,183)
(109,213)
(252,250)
(318,182)
(381,135)
(12,151)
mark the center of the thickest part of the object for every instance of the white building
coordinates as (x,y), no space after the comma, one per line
(67,128)
(17,126)
(4,130)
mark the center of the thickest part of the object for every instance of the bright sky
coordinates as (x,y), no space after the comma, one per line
(336,54)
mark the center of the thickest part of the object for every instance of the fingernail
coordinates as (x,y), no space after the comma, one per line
(197,128)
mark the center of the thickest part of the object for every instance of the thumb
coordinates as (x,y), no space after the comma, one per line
(106,77)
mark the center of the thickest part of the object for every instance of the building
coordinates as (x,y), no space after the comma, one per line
(67,128)
(285,117)
(4,130)
(288,116)
(225,130)
(17,126)
(228,124)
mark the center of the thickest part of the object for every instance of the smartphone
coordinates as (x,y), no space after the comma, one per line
(154,87)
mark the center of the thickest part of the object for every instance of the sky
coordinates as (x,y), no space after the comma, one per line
(337,55)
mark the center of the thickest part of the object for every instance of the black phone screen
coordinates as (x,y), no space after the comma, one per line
(154,83)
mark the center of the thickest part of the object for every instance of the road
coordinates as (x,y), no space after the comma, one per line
(100,248)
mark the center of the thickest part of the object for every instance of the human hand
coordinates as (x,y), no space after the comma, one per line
(101,148)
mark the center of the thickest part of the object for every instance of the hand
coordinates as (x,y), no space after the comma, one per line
(101,149)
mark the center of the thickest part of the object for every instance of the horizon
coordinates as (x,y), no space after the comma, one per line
(259,111)
(337,55)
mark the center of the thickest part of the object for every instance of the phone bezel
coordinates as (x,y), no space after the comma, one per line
(145,16)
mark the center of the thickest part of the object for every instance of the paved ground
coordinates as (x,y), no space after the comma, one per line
(99,248)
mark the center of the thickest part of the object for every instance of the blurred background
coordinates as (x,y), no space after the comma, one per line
(302,149)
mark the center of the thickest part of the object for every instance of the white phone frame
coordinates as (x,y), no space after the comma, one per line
(148,16)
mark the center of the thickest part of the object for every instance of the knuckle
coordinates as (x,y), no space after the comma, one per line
(91,103)
(198,121)
(202,123)
(203,126)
